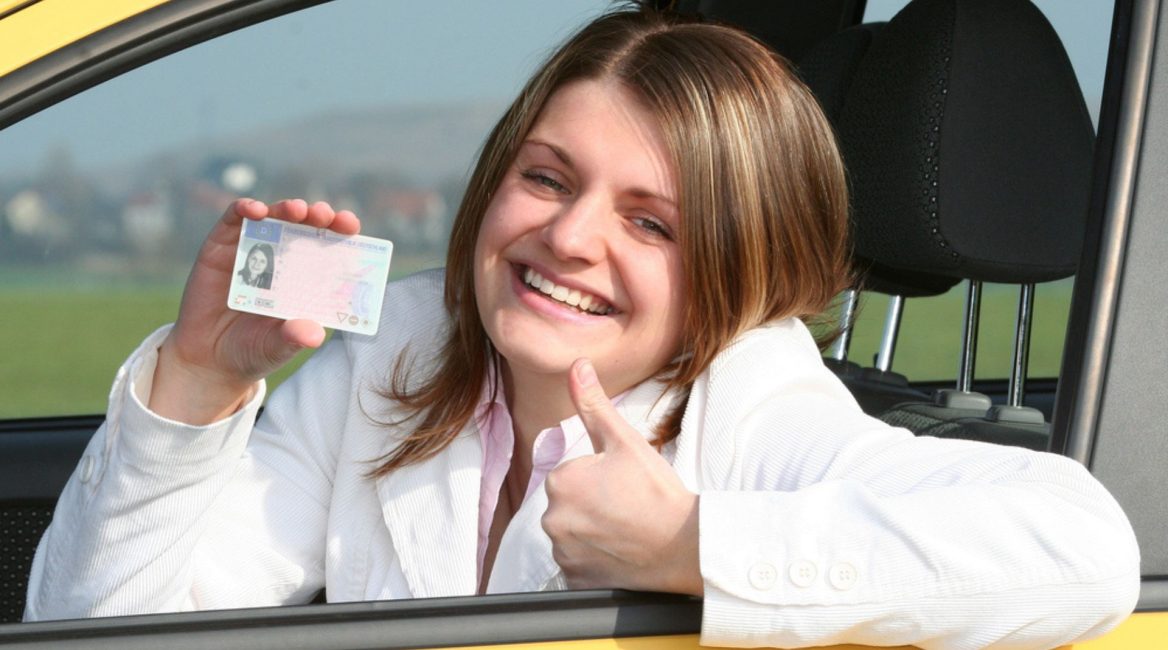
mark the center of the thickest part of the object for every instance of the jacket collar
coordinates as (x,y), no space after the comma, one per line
(431,510)
(524,561)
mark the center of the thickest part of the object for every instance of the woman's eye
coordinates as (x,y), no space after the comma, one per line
(544,180)
(653,226)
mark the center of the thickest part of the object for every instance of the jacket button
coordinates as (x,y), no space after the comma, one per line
(85,472)
(762,576)
(842,576)
(802,573)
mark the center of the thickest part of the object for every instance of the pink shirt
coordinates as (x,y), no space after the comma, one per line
(497,433)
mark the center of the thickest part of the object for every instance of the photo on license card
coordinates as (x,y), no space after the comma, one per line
(286,270)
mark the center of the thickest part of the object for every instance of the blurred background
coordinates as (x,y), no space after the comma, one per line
(373,105)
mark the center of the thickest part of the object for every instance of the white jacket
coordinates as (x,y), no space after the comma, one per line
(818,524)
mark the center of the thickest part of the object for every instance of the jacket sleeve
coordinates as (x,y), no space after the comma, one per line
(820,525)
(162,516)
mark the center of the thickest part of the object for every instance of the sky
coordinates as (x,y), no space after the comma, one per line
(391,52)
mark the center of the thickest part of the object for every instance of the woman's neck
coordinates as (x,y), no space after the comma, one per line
(535,402)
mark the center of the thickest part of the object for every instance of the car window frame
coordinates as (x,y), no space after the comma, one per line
(131,43)
(1086,396)
(1083,390)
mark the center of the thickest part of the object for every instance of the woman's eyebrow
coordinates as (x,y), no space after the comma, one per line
(642,193)
(559,152)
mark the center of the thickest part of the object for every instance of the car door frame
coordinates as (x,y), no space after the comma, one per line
(1106,414)
(1091,390)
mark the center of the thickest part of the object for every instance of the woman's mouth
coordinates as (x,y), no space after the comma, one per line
(574,298)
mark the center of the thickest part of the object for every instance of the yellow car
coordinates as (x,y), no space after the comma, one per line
(127,125)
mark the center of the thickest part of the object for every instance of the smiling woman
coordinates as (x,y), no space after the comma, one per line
(579,210)
(258,267)
(677,180)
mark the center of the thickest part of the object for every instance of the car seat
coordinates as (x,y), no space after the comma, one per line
(829,70)
(968,150)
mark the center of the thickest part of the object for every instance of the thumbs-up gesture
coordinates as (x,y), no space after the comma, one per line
(620,518)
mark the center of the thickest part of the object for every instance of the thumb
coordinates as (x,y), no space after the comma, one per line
(277,347)
(605,426)
(300,333)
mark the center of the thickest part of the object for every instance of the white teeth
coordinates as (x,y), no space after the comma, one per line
(573,297)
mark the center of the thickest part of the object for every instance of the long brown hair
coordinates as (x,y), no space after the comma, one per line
(761,192)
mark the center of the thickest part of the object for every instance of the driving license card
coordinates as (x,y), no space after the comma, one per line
(287,270)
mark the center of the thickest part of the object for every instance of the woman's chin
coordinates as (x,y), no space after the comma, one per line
(538,365)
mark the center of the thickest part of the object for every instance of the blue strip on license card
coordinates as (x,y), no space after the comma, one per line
(286,270)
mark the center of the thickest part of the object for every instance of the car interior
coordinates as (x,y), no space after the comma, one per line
(1003,200)
(986,206)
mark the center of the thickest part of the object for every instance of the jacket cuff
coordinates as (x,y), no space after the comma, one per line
(145,439)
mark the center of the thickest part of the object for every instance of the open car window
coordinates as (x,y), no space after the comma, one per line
(104,197)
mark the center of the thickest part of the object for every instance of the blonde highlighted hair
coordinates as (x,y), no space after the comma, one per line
(761,192)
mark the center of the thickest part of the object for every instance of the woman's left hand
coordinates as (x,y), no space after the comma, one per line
(620,518)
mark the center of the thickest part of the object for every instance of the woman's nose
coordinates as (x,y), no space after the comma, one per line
(578,230)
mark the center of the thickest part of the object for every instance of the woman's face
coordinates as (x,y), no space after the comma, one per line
(257,263)
(577,255)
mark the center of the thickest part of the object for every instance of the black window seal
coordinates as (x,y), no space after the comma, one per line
(1153,594)
(435,622)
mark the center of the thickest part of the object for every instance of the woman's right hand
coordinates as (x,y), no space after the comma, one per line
(213,357)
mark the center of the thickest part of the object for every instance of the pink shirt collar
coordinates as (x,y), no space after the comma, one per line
(497,433)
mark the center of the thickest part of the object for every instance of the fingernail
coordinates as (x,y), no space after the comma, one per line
(586,373)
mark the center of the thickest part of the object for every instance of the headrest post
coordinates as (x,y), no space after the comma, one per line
(839,348)
(891,330)
(969,336)
(1021,344)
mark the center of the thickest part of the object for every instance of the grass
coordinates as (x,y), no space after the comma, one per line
(62,346)
(65,333)
(930,338)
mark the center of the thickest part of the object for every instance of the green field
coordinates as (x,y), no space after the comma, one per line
(63,346)
(930,338)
